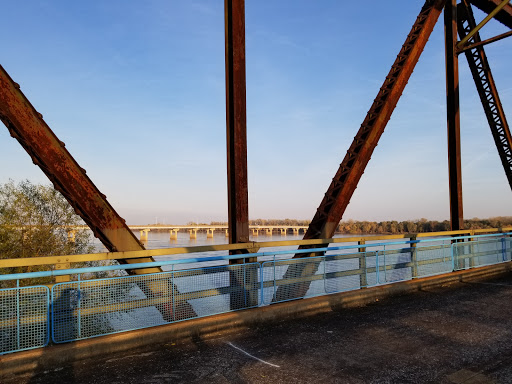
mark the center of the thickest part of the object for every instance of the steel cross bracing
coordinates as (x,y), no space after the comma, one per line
(487,90)
(504,16)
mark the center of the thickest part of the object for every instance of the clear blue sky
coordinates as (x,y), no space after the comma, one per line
(136,91)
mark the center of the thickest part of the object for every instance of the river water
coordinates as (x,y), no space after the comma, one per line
(161,239)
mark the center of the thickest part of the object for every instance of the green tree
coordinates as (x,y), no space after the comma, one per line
(35,221)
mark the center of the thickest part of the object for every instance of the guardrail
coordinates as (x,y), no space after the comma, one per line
(31,316)
(52,262)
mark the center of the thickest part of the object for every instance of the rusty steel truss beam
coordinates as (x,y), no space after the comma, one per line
(484,81)
(344,183)
(27,126)
(485,42)
(504,16)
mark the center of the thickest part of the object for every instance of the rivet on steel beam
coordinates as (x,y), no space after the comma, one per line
(16,85)
(62,144)
(40,115)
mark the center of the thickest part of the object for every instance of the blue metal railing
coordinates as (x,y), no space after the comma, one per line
(88,308)
(24,319)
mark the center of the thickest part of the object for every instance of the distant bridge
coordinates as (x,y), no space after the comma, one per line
(210,229)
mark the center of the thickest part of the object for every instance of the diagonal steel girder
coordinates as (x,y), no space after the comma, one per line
(486,87)
(345,181)
(504,16)
(27,126)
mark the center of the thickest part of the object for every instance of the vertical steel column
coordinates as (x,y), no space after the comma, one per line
(236,124)
(236,137)
(453,116)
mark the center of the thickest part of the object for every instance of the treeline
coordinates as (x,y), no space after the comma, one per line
(391,227)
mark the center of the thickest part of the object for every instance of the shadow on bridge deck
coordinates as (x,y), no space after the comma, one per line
(456,334)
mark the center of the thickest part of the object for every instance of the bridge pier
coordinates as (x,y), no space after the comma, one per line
(227,233)
(173,234)
(296,231)
(144,234)
(283,231)
(268,231)
(209,233)
(193,233)
(255,232)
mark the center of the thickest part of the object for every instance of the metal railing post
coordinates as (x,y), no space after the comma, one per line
(377,267)
(79,312)
(452,253)
(172,296)
(363,281)
(414,255)
(471,252)
(503,247)
(18,315)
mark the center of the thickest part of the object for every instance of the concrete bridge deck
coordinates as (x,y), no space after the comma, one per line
(457,333)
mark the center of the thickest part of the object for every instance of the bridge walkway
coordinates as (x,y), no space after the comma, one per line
(455,334)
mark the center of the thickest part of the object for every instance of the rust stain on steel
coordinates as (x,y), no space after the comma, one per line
(504,16)
(49,153)
(453,115)
(347,177)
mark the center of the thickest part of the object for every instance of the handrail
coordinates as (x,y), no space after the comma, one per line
(74,271)
(51,260)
